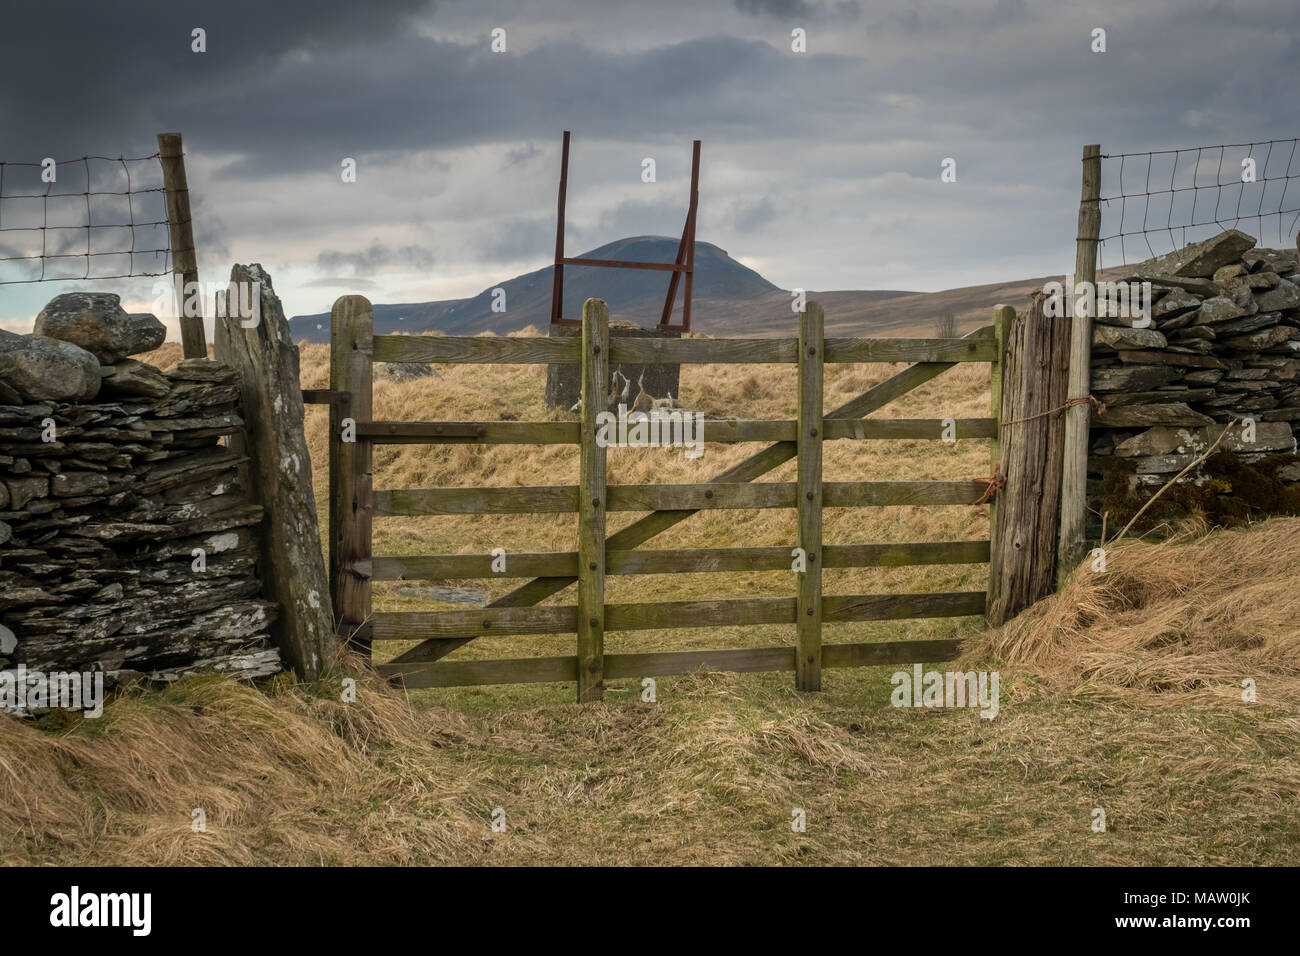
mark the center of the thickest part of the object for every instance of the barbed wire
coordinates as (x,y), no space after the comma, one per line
(45,227)
(1149,169)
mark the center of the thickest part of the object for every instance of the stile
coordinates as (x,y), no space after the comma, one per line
(808,622)
(592,504)
(351,498)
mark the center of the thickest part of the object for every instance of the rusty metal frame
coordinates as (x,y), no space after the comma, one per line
(683,265)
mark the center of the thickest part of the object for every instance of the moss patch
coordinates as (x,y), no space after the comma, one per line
(1231,493)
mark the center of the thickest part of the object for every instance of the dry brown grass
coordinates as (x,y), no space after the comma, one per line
(1199,612)
(290,775)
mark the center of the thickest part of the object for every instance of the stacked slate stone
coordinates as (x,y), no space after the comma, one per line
(1223,344)
(112,476)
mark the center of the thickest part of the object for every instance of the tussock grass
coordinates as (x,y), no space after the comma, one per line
(1196,612)
(292,774)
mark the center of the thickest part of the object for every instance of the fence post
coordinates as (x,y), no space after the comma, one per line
(808,662)
(1074,473)
(1003,316)
(1023,548)
(185,261)
(352,326)
(591,504)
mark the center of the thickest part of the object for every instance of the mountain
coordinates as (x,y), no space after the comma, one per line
(727,297)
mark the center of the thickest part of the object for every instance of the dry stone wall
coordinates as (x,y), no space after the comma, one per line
(1223,345)
(127,544)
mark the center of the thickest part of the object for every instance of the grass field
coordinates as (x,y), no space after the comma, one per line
(1122,693)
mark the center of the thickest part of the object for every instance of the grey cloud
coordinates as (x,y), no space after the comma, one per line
(523,154)
(802,9)
(377,258)
(752,215)
(340,283)
(659,217)
(519,239)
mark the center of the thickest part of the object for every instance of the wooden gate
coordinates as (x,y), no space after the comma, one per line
(353,504)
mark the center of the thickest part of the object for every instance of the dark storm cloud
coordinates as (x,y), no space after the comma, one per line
(102,77)
(378,257)
(800,9)
(1008,88)
(293,87)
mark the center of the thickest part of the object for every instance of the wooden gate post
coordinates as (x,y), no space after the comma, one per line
(185,261)
(808,661)
(352,327)
(1023,549)
(1003,316)
(592,504)
(1074,474)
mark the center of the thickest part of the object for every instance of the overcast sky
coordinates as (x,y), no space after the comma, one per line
(820,169)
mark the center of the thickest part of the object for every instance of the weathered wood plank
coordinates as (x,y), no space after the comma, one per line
(905,554)
(667,663)
(493,350)
(475,350)
(592,504)
(534,499)
(974,349)
(437,567)
(808,596)
(891,652)
(470,433)
(527,670)
(672,614)
(857,494)
(838,608)
(716,431)
(1003,317)
(350,481)
(1025,537)
(434,567)
(703,496)
(899,428)
(729,351)
(406,625)
(664,664)
(414,625)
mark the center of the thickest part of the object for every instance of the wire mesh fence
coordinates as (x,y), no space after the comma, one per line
(90,218)
(1155,202)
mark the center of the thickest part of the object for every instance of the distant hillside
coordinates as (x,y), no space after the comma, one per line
(726,296)
(729,299)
